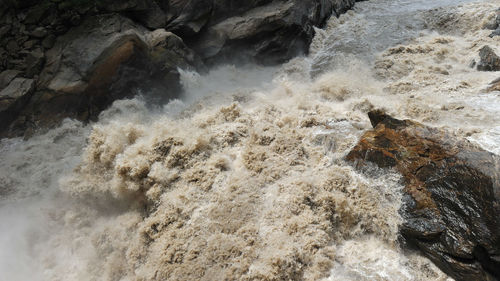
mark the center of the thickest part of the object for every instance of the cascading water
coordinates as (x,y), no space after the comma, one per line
(243,177)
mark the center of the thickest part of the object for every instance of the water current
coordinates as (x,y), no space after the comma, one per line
(243,177)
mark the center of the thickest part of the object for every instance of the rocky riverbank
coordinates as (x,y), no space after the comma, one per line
(72,58)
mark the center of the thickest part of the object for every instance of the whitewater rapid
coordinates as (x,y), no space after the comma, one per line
(243,177)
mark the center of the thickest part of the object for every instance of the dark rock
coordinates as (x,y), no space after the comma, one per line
(152,17)
(36,12)
(107,57)
(452,193)
(39,32)
(7,76)
(34,62)
(4,29)
(49,41)
(13,98)
(489,60)
(29,44)
(268,34)
(12,47)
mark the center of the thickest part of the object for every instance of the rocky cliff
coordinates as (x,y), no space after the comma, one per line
(72,58)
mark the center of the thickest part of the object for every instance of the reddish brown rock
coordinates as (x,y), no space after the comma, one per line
(452,191)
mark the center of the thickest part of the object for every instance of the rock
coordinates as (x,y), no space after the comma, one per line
(106,58)
(12,47)
(39,32)
(269,34)
(451,196)
(49,41)
(13,98)
(36,12)
(489,60)
(7,76)
(495,33)
(187,18)
(4,30)
(30,44)
(33,63)
(494,86)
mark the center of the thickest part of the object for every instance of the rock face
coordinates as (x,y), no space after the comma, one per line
(271,33)
(452,194)
(83,55)
(489,60)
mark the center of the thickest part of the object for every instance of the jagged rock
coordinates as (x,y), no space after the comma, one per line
(262,30)
(13,98)
(451,196)
(269,34)
(107,57)
(7,76)
(489,60)
(33,63)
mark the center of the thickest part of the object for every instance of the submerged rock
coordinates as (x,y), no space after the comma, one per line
(489,60)
(452,193)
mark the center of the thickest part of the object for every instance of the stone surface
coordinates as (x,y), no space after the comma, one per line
(451,196)
(13,98)
(494,85)
(83,55)
(269,34)
(489,60)
(7,76)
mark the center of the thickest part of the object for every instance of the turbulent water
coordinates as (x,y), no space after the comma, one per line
(243,177)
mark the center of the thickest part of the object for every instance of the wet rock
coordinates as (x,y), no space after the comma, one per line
(451,196)
(494,85)
(107,57)
(489,60)
(13,98)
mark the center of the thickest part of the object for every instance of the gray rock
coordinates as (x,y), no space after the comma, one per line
(7,76)
(13,98)
(269,34)
(495,33)
(489,60)
(39,32)
(107,57)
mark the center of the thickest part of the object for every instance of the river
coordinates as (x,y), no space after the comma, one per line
(243,177)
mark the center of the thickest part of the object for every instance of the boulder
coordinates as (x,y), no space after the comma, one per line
(451,194)
(489,60)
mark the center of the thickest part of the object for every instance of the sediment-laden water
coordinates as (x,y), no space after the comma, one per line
(243,178)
